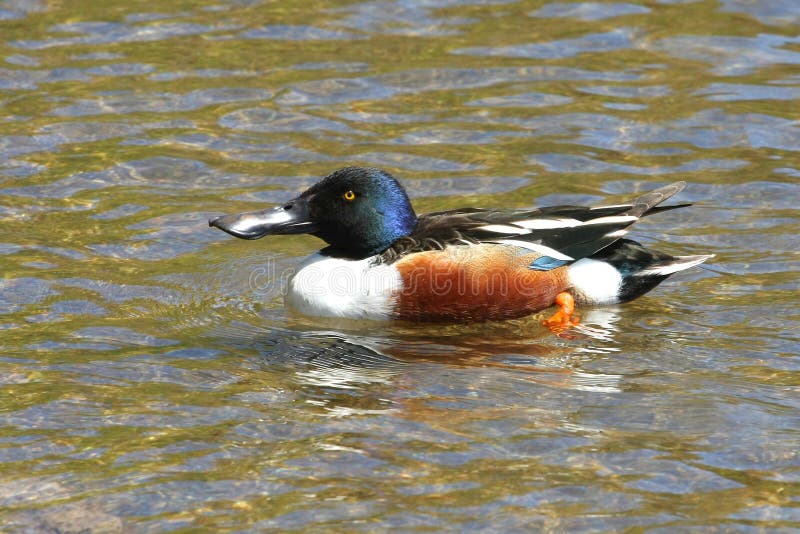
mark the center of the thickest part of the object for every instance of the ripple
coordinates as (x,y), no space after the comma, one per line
(731,56)
(17,293)
(588,10)
(240,148)
(523,100)
(415,163)
(624,107)
(77,307)
(116,293)
(147,17)
(703,130)
(452,137)
(618,39)
(202,73)
(140,371)
(188,494)
(18,491)
(10,248)
(22,60)
(162,173)
(410,19)
(756,195)
(244,151)
(338,66)
(144,251)
(121,335)
(788,171)
(342,90)
(71,414)
(622,91)
(19,169)
(775,12)
(121,69)
(61,252)
(120,212)
(731,92)
(282,152)
(184,447)
(770,513)
(66,346)
(19,9)
(30,79)
(72,517)
(53,136)
(384,118)
(94,33)
(34,448)
(67,309)
(268,120)
(683,479)
(337,90)
(287,32)
(96,56)
(133,102)
(166,236)
(557,162)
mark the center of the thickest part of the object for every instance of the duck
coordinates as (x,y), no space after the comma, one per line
(384,262)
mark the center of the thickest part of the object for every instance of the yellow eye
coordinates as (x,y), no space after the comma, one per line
(349,196)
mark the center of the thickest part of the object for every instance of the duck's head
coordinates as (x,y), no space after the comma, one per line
(358,211)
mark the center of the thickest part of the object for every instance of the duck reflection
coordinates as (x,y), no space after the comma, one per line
(352,360)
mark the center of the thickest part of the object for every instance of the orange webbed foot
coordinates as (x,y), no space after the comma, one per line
(562,319)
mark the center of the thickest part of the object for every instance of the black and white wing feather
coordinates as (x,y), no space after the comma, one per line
(560,234)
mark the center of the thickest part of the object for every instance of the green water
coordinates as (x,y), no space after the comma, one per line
(151,379)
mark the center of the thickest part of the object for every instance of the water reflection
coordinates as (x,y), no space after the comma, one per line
(350,361)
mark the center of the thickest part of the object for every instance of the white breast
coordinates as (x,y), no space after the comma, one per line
(334,287)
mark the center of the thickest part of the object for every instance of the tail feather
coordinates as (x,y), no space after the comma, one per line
(624,271)
(651,199)
(677,263)
(640,282)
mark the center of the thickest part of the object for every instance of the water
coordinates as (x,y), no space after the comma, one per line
(152,381)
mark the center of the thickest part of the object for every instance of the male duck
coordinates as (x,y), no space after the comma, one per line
(385,262)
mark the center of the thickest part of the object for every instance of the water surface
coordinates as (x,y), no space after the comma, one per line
(151,379)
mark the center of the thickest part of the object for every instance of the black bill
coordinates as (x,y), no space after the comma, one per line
(291,218)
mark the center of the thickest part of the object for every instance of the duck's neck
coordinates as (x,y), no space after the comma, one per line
(370,242)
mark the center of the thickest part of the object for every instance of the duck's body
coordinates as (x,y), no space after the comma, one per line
(458,283)
(384,262)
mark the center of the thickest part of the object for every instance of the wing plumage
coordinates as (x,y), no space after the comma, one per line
(561,234)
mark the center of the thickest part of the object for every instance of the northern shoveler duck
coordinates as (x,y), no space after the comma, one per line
(385,262)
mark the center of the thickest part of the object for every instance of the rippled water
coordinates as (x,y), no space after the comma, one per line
(151,379)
